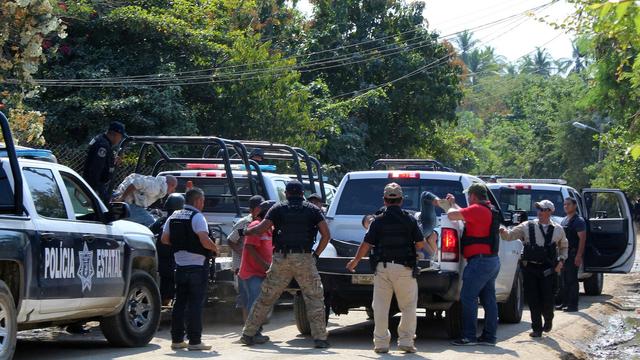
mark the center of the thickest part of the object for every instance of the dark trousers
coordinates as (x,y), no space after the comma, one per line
(570,285)
(166,270)
(191,290)
(538,291)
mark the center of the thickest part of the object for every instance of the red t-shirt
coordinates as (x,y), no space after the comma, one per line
(262,243)
(477,222)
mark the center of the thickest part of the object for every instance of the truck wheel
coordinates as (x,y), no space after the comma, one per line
(593,284)
(510,312)
(137,322)
(453,320)
(300,312)
(8,323)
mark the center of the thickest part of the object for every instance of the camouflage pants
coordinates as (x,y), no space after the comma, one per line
(302,267)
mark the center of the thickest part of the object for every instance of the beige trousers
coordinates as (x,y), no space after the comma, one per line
(398,279)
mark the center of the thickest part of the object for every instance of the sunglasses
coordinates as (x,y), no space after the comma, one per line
(543,210)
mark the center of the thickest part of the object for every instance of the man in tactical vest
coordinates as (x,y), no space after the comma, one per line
(394,235)
(296,223)
(101,161)
(480,242)
(187,232)
(576,230)
(545,249)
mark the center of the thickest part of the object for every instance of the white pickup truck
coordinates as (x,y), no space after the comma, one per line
(440,280)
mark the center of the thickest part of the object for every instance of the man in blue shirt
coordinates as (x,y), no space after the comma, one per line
(576,230)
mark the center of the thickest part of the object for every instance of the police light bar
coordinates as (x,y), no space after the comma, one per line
(535,181)
(404,175)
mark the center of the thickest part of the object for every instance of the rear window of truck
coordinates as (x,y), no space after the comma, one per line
(217,193)
(524,199)
(364,196)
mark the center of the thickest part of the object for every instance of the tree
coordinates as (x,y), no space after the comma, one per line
(465,43)
(542,62)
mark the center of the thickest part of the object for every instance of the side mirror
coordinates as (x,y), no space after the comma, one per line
(518,217)
(118,211)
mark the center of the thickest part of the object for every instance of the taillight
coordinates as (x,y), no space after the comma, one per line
(449,249)
(404,175)
(520,187)
(216,174)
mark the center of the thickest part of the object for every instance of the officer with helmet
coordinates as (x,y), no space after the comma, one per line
(166,264)
(545,249)
(394,236)
(295,224)
(187,232)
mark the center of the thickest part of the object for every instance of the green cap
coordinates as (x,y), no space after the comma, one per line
(479,190)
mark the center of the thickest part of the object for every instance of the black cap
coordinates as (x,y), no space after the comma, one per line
(314,196)
(256,152)
(255,201)
(294,187)
(118,127)
(174,202)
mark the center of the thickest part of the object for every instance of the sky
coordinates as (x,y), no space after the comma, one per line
(512,38)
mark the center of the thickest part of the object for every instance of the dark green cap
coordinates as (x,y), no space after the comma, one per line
(479,190)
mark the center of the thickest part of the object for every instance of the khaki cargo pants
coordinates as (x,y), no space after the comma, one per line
(398,279)
(302,267)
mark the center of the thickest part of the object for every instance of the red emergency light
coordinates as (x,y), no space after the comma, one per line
(214,174)
(204,166)
(404,175)
(520,187)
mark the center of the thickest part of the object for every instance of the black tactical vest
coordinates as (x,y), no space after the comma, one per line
(297,230)
(394,242)
(493,240)
(546,254)
(182,235)
(571,233)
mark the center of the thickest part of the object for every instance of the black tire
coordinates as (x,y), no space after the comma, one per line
(8,322)
(137,322)
(300,312)
(453,320)
(369,311)
(593,284)
(510,312)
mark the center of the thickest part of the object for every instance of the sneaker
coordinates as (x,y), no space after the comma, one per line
(463,342)
(484,342)
(560,307)
(321,344)
(252,340)
(548,325)
(535,334)
(199,347)
(570,310)
(409,349)
(178,346)
(381,350)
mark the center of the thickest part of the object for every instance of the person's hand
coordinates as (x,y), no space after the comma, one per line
(578,261)
(118,160)
(351,265)
(451,199)
(559,267)
(503,231)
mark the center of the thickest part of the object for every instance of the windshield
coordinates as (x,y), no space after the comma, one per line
(217,194)
(364,196)
(524,199)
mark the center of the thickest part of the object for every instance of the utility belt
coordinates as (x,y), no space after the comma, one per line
(481,256)
(292,251)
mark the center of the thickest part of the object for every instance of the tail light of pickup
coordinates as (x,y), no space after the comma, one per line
(450,251)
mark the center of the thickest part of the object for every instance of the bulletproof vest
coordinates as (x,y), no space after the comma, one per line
(298,230)
(182,235)
(571,233)
(394,241)
(546,254)
(493,240)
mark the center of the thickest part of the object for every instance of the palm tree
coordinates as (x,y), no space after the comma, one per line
(579,61)
(562,65)
(510,69)
(542,62)
(526,65)
(465,44)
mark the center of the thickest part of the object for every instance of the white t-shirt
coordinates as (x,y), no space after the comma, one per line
(198,224)
(149,189)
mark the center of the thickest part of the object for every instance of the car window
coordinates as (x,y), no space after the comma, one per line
(603,206)
(45,193)
(281,187)
(524,199)
(6,193)
(364,196)
(84,207)
(217,193)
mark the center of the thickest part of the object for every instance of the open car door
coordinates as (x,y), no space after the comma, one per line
(611,237)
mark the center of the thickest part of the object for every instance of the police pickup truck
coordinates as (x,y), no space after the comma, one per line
(440,280)
(66,257)
(611,241)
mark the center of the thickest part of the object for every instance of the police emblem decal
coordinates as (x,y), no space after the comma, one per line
(85,270)
(102,152)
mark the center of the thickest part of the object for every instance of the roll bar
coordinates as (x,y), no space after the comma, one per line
(409,164)
(17,207)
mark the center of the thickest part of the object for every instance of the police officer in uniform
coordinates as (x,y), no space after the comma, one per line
(101,160)
(187,232)
(394,236)
(545,249)
(296,223)
(166,263)
(576,230)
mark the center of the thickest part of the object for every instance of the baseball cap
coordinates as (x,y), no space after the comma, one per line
(477,189)
(256,152)
(294,187)
(314,196)
(392,191)
(255,201)
(545,205)
(118,127)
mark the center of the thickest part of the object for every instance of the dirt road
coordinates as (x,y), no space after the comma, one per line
(350,337)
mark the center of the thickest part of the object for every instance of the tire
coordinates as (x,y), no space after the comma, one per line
(593,284)
(137,322)
(510,312)
(300,311)
(453,320)
(369,311)
(8,322)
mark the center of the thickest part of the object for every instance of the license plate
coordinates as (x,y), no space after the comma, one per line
(362,279)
